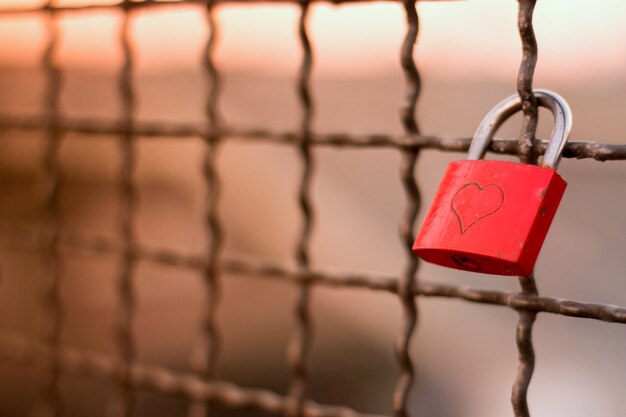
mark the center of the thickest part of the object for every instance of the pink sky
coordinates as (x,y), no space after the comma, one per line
(472,38)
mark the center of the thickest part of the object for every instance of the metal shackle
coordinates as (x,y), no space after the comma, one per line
(511,105)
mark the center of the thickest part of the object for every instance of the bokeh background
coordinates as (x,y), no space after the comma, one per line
(468,53)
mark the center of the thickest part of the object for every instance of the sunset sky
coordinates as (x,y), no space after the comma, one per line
(472,38)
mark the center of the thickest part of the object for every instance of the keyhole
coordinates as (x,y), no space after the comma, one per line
(465,262)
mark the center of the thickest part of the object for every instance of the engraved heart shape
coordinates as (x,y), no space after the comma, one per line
(473,202)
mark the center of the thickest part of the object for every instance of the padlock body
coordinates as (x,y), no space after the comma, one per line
(490,217)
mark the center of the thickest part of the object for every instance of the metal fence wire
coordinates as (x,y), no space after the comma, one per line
(203,387)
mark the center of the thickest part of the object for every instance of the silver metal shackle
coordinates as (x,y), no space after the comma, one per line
(511,105)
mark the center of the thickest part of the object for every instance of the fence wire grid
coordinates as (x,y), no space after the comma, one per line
(203,387)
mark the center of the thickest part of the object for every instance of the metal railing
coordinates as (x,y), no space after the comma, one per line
(203,387)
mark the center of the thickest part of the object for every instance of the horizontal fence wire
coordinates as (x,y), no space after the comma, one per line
(92,128)
(19,350)
(202,387)
(30,239)
(146,4)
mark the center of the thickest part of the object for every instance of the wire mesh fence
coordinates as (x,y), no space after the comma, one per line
(203,387)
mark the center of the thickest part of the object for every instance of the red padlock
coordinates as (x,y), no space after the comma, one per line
(493,216)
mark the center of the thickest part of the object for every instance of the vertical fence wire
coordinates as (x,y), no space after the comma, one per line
(527,152)
(206,363)
(300,343)
(50,403)
(407,175)
(124,400)
(528,286)
(523,338)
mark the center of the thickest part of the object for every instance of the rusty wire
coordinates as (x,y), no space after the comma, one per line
(145,4)
(50,401)
(159,379)
(205,363)
(30,239)
(527,154)
(300,343)
(202,387)
(530,110)
(122,404)
(92,129)
(407,281)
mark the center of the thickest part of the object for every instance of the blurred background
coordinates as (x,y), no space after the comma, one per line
(468,54)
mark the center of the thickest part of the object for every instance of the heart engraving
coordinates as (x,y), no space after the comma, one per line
(473,202)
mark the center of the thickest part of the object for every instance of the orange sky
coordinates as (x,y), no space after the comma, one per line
(578,39)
